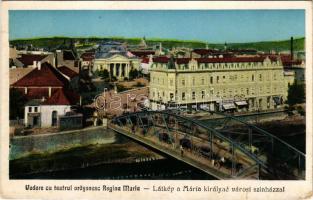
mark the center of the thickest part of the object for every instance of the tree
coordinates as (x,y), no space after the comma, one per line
(133,73)
(296,94)
(104,74)
(17,103)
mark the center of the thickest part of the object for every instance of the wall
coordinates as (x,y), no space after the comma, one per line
(24,145)
(46,113)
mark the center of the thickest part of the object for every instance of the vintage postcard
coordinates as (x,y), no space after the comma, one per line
(161,100)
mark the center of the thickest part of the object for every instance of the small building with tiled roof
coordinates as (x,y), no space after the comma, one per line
(145,64)
(142,53)
(87,59)
(71,76)
(31,60)
(46,112)
(67,58)
(41,82)
(67,72)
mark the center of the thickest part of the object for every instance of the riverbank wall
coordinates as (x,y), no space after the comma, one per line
(251,118)
(21,146)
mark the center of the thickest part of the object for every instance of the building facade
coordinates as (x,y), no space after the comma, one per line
(47,113)
(223,84)
(117,65)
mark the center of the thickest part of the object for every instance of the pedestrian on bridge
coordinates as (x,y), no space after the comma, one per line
(181,150)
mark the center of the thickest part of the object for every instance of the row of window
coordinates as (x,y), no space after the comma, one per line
(218,79)
(30,109)
(220,65)
(247,91)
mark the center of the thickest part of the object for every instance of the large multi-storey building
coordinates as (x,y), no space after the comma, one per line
(236,83)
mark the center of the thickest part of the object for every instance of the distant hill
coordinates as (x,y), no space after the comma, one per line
(65,42)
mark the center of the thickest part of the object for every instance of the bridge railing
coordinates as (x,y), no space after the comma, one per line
(195,130)
(281,156)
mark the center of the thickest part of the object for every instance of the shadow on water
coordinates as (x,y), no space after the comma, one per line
(164,169)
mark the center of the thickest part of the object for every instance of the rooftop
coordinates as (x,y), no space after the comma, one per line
(28,59)
(62,97)
(67,72)
(46,76)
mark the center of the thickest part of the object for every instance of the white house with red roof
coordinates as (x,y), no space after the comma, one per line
(47,91)
(46,113)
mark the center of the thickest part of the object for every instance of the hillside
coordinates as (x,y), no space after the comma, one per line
(52,43)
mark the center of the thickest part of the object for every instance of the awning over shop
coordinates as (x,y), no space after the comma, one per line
(241,103)
(228,106)
(277,100)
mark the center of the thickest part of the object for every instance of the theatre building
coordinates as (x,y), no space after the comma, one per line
(223,84)
(116,60)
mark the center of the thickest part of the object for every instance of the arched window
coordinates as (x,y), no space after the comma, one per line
(54,118)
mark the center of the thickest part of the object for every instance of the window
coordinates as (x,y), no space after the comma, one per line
(211,80)
(30,109)
(193,95)
(163,94)
(202,81)
(183,96)
(217,79)
(183,82)
(247,90)
(36,109)
(193,81)
(252,77)
(260,77)
(203,94)
(171,96)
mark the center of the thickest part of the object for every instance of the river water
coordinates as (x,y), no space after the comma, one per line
(163,168)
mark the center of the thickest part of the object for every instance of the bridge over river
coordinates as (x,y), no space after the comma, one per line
(226,148)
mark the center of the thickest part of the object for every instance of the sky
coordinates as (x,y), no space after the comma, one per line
(215,26)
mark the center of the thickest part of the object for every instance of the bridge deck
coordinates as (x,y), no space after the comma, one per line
(207,168)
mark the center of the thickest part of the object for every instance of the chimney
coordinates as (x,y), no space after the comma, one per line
(50,91)
(291,48)
(39,65)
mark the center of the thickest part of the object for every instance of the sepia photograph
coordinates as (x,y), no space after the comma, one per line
(160,95)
